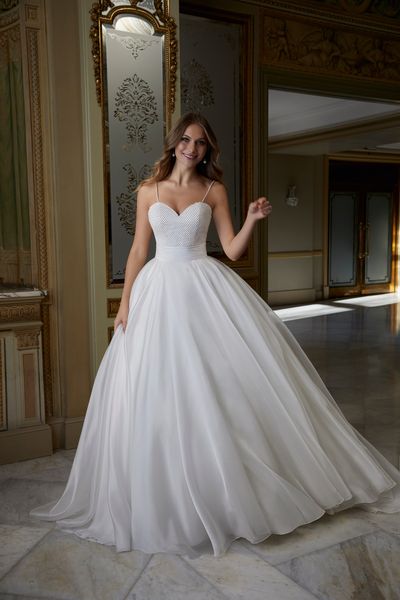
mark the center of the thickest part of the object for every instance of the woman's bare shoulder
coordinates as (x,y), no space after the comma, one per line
(218,194)
(147,192)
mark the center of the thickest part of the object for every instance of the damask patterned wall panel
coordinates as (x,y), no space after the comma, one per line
(136,129)
(210,83)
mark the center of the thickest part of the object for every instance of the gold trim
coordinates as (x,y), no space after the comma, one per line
(32,40)
(31,12)
(9,17)
(37,152)
(162,23)
(365,157)
(112,307)
(27,338)
(20,311)
(47,361)
(3,423)
(295,254)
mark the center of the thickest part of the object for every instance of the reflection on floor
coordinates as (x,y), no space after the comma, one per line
(354,555)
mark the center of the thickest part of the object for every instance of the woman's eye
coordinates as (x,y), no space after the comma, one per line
(201,143)
(185,139)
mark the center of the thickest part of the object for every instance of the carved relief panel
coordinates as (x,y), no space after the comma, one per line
(329,48)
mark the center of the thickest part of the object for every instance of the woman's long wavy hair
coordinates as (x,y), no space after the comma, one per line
(163,167)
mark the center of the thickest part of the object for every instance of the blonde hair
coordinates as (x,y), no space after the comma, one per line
(163,167)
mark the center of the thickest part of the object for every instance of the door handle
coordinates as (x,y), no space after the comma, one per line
(367,239)
(361,229)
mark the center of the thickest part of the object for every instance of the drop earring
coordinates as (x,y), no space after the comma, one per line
(204,162)
(173,155)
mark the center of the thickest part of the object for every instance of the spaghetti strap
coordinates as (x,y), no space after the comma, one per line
(209,188)
(158,197)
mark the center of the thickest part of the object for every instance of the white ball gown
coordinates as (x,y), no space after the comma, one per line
(207,422)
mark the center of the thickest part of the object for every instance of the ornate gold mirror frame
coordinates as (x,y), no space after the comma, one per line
(134,54)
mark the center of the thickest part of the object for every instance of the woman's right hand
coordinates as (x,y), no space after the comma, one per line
(122,316)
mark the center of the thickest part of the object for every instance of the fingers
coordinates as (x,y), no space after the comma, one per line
(119,322)
(261,207)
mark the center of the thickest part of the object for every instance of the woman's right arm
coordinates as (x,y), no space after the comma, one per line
(138,252)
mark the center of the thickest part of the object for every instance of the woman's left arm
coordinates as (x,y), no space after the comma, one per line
(235,245)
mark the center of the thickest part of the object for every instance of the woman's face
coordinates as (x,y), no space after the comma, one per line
(192,147)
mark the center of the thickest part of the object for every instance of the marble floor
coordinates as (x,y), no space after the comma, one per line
(354,555)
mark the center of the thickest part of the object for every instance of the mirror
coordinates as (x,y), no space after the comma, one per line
(134,52)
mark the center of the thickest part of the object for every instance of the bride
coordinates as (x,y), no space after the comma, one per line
(207,422)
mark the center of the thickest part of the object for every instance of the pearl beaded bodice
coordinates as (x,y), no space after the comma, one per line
(187,229)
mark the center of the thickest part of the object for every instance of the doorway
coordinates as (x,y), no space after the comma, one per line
(308,134)
(362,227)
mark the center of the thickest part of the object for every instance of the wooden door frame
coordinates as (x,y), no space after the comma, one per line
(361,158)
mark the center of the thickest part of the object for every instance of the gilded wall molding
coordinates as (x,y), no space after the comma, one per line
(8,18)
(3,422)
(27,339)
(32,40)
(112,307)
(311,47)
(31,12)
(47,361)
(37,154)
(15,312)
(162,22)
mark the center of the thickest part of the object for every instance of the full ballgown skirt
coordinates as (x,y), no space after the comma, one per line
(207,422)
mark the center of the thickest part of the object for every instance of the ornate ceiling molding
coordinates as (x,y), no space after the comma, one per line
(332,11)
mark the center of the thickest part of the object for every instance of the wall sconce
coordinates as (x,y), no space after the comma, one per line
(291,198)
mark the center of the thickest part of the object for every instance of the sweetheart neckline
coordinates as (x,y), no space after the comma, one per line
(184,210)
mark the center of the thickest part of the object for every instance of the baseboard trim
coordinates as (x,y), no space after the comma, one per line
(283,298)
(25,443)
(72,431)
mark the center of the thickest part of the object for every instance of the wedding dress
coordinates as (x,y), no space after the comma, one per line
(207,422)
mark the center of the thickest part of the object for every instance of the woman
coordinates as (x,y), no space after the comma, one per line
(207,422)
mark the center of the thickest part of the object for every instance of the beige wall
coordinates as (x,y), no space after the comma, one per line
(295,235)
(68,202)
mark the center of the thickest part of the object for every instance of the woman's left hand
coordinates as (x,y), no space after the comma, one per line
(260,208)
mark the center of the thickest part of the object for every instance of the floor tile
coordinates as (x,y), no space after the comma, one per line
(327,531)
(59,462)
(63,566)
(241,575)
(365,568)
(388,522)
(15,543)
(168,577)
(19,496)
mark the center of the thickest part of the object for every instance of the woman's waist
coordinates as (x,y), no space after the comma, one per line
(164,252)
